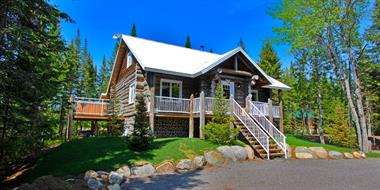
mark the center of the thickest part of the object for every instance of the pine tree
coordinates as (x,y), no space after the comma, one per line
(269,61)
(211,51)
(188,42)
(103,76)
(141,137)
(133,31)
(89,78)
(242,44)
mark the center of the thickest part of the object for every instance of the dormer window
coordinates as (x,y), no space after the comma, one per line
(129,59)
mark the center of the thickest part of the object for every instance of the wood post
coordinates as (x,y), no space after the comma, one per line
(191,117)
(270,112)
(202,119)
(151,109)
(281,111)
(69,122)
(231,110)
(247,102)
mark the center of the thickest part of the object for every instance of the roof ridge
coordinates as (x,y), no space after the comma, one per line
(171,45)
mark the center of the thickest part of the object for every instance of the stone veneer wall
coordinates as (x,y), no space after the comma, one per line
(171,127)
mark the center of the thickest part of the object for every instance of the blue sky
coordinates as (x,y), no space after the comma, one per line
(216,24)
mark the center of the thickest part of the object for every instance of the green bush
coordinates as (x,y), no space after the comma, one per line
(218,130)
(141,137)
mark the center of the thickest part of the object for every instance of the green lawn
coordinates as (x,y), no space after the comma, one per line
(106,153)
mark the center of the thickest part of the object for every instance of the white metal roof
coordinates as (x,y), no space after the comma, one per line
(170,59)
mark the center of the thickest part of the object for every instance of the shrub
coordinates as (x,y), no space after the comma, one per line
(141,137)
(218,130)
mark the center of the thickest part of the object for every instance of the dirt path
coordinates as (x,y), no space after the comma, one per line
(276,174)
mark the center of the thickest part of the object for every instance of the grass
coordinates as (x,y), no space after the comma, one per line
(107,153)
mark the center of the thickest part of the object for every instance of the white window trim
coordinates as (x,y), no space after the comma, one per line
(170,90)
(132,94)
(232,87)
(129,59)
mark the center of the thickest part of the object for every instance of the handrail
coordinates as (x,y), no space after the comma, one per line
(91,106)
(252,127)
(170,104)
(268,126)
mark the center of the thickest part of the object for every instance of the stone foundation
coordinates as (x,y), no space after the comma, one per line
(171,127)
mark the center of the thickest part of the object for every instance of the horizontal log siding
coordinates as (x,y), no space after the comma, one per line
(189,85)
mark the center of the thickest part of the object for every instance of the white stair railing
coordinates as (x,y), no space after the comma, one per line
(278,137)
(252,127)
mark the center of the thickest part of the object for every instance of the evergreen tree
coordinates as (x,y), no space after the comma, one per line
(242,44)
(188,42)
(211,51)
(89,78)
(114,124)
(269,61)
(133,31)
(141,137)
(103,76)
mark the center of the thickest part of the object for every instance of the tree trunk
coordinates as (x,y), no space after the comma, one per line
(369,114)
(320,125)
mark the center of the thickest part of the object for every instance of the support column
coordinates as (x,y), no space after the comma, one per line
(232,126)
(247,102)
(281,111)
(69,122)
(191,117)
(202,119)
(270,112)
(151,109)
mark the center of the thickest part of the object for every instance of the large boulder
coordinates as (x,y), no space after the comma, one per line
(94,184)
(185,164)
(90,174)
(46,183)
(335,154)
(320,152)
(115,178)
(348,155)
(124,171)
(250,152)
(227,153)
(289,150)
(239,152)
(199,161)
(144,170)
(165,167)
(115,187)
(303,153)
(214,158)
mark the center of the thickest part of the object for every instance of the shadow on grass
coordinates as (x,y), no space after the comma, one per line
(167,182)
(101,153)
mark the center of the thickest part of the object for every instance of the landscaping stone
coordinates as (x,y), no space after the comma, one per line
(335,154)
(199,161)
(115,178)
(48,182)
(239,152)
(320,152)
(124,171)
(348,155)
(227,153)
(144,170)
(104,177)
(303,153)
(289,150)
(214,158)
(357,155)
(90,174)
(250,152)
(115,187)
(165,167)
(362,154)
(185,164)
(94,184)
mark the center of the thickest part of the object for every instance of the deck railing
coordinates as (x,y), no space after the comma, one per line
(91,106)
(171,105)
(263,107)
(268,126)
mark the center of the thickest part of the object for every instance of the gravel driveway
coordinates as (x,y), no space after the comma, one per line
(275,174)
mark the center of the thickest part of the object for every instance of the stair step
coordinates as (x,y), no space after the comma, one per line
(270,150)
(260,147)
(272,155)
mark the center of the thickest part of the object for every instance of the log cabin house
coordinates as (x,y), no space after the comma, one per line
(179,85)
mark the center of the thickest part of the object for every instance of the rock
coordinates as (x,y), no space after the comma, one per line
(124,171)
(185,164)
(357,155)
(94,184)
(250,152)
(320,152)
(214,158)
(144,170)
(289,150)
(362,154)
(303,153)
(47,182)
(165,167)
(199,161)
(348,155)
(115,178)
(239,152)
(115,187)
(90,174)
(227,153)
(104,177)
(335,154)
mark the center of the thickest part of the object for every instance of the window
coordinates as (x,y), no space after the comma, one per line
(255,95)
(129,60)
(132,93)
(228,88)
(171,88)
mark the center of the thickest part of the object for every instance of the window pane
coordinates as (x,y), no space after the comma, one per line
(226,91)
(175,90)
(165,89)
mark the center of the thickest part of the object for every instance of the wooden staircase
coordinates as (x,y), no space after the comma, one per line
(274,150)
